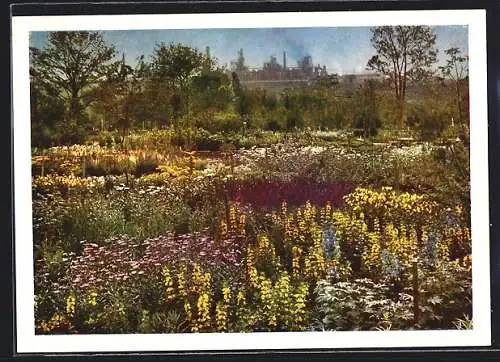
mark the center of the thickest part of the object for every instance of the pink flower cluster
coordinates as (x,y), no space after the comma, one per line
(123,260)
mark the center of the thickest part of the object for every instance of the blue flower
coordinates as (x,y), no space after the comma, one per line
(391,265)
(430,248)
(330,241)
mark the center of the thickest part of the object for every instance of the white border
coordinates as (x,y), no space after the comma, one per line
(27,341)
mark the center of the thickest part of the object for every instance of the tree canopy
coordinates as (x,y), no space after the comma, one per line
(403,53)
(72,62)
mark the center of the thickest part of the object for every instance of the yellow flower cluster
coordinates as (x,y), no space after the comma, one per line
(195,296)
(57,321)
(467,262)
(243,316)
(172,171)
(200,281)
(389,205)
(253,276)
(279,298)
(95,151)
(265,251)
(92,298)
(70,304)
(52,181)
(280,303)
(315,264)
(296,256)
(168,283)
(268,306)
(234,223)
(299,311)
(303,238)
(203,311)
(237,220)
(201,286)
(349,227)
(222,310)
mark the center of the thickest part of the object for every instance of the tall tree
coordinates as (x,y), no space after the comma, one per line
(404,54)
(456,69)
(47,108)
(176,65)
(73,62)
(113,94)
(367,115)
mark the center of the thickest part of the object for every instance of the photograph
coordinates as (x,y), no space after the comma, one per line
(193,179)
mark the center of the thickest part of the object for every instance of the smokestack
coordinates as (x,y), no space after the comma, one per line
(284,60)
(207,50)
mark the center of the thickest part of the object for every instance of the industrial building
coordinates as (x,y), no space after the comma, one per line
(273,75)
(274,71)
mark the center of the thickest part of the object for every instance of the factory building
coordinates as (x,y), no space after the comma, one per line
(274,71)
(275,76)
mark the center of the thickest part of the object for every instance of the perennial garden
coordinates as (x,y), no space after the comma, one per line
(263,231)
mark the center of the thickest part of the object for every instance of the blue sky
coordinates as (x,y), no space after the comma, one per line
(341,49)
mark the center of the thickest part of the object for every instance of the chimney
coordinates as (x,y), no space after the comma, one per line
(284,60)
(207,50)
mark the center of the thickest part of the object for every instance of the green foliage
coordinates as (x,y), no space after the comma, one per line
(361,304)
(444,300)
(74,76)
(367,119)
(463,323)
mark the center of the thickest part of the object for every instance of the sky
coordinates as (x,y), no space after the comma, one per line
(342,50)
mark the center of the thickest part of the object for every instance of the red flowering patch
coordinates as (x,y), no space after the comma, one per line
(271,193)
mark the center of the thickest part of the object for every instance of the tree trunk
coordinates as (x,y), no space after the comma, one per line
(458,103)
(401,111)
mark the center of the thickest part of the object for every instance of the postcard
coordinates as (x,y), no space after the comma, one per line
(251,181)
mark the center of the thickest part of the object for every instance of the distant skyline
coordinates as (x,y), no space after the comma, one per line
(342,50)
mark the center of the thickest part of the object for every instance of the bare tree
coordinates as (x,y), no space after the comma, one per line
(404,54)
(457,70)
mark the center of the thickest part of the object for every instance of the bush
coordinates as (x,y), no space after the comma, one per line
(430,120)
(273,125)
(367,125)
(209,142)
(145,166)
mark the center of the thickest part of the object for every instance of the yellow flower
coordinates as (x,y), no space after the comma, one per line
(93,298)
(70,304)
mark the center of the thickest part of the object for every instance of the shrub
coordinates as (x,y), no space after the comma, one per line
(145,166)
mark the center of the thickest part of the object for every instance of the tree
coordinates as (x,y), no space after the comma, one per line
(404,54)
(367,119)
(119,95)
(212,90)
(47,108)
(73,62)
(456,70)
(176,65)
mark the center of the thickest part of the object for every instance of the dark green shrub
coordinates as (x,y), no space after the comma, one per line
(210,143)
(367,125)
(273,125)
(145,166)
